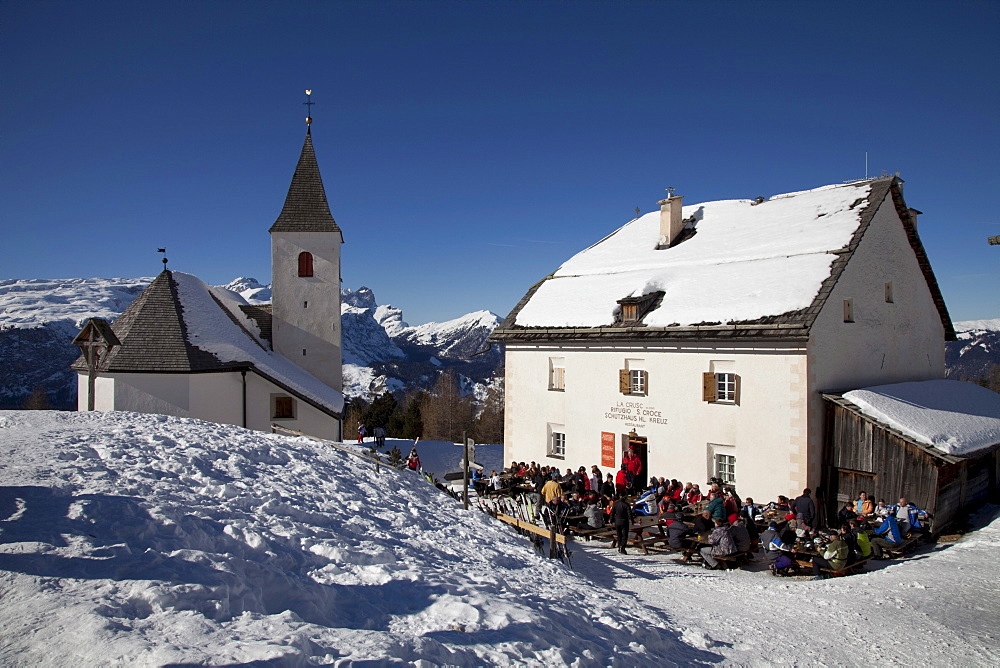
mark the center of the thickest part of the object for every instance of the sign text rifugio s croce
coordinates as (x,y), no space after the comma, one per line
(635,414)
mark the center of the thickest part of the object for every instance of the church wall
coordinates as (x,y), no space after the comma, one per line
(307,309)
(104,390)
(167,394)
(766,431)
(887,342)
(308,419)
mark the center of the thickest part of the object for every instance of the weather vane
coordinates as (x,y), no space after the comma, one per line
(309,103)
(164,251)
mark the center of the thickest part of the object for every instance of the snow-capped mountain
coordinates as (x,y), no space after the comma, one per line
(38,320)
(40,317)
(382,352)
(976,349)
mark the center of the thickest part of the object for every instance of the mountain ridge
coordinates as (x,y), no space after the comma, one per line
(382,352)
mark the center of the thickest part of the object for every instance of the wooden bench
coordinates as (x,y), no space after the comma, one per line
(849,569)
(900,549)
(735,560)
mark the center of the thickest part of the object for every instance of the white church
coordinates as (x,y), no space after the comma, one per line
(188,349)
(705,336)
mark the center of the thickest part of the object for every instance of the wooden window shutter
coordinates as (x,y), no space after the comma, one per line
(708,386)
(645,382)
(305,264)
(736,399)
(624,385)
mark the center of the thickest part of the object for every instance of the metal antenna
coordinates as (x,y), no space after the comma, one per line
(866,164)
(164,260)
(637,210)
(309,103)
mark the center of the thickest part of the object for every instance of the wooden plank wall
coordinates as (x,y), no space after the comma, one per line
(866,456)
(887,466)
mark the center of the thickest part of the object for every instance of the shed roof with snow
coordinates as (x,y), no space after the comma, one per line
(956,417)
(744,268)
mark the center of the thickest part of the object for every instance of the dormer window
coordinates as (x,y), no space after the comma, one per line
(634,309)
(305,264)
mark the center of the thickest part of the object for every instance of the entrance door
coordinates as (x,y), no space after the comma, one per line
(639,445)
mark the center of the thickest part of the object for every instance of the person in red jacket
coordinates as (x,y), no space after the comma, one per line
(633,465)
(621,480)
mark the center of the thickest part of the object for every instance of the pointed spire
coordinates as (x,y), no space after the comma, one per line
(306,208)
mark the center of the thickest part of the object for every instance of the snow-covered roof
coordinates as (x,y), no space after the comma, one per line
(743,262)
(180,324)
(955,417)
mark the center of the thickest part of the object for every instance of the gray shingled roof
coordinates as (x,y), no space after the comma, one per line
(306,208)
(154,338)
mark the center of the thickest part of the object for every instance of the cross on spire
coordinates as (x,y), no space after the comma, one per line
(309,103)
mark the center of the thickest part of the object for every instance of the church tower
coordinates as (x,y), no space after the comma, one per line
(305,274)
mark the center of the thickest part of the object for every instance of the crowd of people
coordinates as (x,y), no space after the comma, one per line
(722,524)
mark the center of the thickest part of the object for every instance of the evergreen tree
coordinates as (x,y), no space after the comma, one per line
(406,422)
(488,425)
(38,400)
(354,415)
(380,412)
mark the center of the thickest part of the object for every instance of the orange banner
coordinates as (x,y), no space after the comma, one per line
(608,450)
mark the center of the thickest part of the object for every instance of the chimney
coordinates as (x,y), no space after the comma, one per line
(913,217)
(671,222)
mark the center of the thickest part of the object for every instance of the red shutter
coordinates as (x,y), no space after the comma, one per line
(305,264)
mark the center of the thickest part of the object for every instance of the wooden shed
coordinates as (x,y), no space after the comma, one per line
(863,454)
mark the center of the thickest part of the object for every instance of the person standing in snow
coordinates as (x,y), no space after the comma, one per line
(362,432)
(379,434)
(413,461)
(621,517)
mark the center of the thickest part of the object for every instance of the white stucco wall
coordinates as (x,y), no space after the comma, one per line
(766,432)
(215,397)
(887,342)
(315,327)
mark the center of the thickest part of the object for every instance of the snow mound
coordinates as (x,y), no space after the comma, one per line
(955,417)
(167,540)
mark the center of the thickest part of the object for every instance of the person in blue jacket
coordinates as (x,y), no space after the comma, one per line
(907,515)
(887,536)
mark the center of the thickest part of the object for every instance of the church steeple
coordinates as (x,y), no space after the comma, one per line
(305,275)
(306,208)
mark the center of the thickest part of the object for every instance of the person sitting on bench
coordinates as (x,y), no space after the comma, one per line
(886,537)
(646,504)
(721,545)
(834,557)
(703,523)
(740,535)
(776,550)
(907,516)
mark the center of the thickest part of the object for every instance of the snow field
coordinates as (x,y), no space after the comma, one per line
(143,539)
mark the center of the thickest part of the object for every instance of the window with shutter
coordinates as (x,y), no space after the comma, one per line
(305,264)
(557,379)
(708,386)
(637,381)
(283,408)
(624,385)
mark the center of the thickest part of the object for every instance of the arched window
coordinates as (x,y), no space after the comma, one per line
(305,264)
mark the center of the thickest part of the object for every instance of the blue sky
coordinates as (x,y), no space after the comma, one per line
(468,148)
